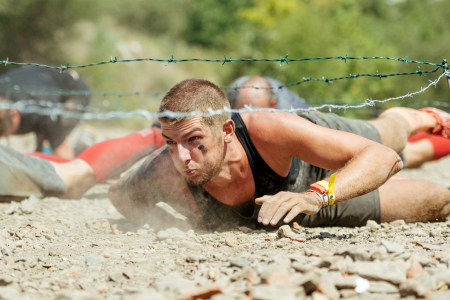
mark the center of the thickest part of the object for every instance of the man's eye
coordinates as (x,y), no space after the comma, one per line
(194,138)
(170,142)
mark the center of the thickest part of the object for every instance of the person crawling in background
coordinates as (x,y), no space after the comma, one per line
(264,169)
(421,147)
(53,132)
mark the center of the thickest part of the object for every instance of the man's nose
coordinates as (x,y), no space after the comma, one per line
(184,155)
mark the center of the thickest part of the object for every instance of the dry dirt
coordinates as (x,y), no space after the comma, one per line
(84,249)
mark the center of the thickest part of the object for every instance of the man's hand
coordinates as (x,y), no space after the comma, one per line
(276,206)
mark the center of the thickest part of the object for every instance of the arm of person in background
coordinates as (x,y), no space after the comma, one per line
(363,165)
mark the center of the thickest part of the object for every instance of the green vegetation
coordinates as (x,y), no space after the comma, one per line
(83,31)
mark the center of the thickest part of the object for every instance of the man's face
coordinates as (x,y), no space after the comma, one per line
(184,139)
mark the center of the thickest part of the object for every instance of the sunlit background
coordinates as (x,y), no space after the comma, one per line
(58,32)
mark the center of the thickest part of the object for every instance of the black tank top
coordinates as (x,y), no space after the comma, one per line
(267,182)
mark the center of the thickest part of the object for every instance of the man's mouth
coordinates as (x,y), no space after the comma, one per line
(190,172)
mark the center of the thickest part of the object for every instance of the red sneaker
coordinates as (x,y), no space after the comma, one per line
(443,119)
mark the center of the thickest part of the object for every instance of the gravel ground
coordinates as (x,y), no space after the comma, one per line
(84,249)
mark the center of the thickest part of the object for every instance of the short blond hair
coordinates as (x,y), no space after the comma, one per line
(196,95)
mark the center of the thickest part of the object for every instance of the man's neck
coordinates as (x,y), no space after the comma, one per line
(234,167)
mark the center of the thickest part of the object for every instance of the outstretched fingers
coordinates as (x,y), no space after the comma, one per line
(276,206)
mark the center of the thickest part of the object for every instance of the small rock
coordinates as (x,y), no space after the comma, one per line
(273,274)
(394,272)
(146,227)
(318,296)
(433,247)
(382,287)
(142,232)
(359,255)
(379,253)
(435,233)
(347,293)
(372,224)
(117,277)
(427,281)
(48,237)
(203,292)
(52,252)
(398,223)
(304,268)
(162,235)
(412,287)
(59,232)
(271,292)
(392,247)
(326,287)
(244,229)
(111,253)
(5,251)
(26,209)
(230,241)
(285,232)
(175,232)
(309,281)
(9,293)
(5,280)
(247,273)
(415,270)
(362,285)
(9,210)
(190,245)
(192,258)
(95,260)
(240,263)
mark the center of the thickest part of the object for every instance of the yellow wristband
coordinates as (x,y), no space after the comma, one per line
(331,196)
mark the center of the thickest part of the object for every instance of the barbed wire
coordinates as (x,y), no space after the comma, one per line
(223,61)
(53,112)
(50,91)
(309,101)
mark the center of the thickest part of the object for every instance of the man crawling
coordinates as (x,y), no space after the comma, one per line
(262,168)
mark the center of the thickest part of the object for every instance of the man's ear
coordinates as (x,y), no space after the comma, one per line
(273,103)
(228,131)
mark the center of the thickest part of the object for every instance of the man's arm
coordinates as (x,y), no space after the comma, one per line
(363,165)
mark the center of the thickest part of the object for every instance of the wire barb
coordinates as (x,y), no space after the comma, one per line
(284,59)
(170,59)
(226,60)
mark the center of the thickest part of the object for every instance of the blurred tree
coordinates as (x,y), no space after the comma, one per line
(28,27)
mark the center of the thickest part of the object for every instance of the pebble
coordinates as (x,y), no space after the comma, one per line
(394,272)
(412,287)
(382,287)
(240,263)
(285,232)
(5,251)
(230,241)
(392,247)
(372,224)
(59,232)
(95,260)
